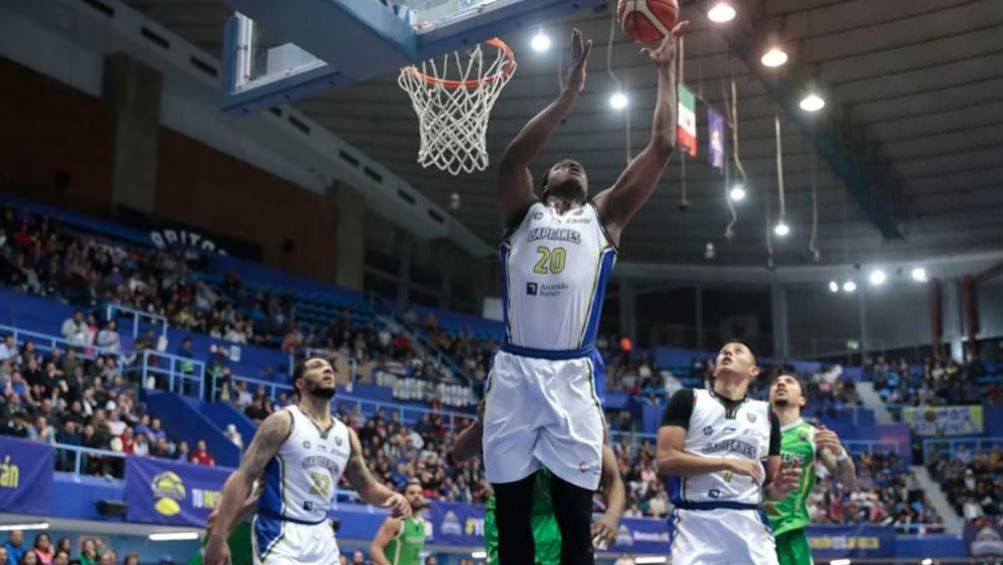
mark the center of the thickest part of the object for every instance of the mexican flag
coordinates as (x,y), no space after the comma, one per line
(687,134)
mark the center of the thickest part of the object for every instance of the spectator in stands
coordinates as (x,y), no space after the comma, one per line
(42,432)
(29,558)
(15,546)
(109,557)
(61,558)
(43,548)
(88,552)
(8,349)
(624,559)
(202,455)
(74,329)
(181,452)
(108,337)
(4,559)
(133,559)
(65,545)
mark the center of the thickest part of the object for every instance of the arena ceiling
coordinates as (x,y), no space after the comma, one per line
(915,107)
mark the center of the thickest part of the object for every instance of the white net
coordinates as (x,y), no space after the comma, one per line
(453,102)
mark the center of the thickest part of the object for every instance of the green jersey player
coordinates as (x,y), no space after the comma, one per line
(400,541)
(546,533)
(801,445)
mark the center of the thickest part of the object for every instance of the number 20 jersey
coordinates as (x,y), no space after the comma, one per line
(554,270)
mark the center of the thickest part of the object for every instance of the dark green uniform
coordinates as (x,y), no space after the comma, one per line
(241,547)
(546,533)
(405,548)
(790,515)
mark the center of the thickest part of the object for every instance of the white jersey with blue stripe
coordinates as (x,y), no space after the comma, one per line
(301,479)
(554,269)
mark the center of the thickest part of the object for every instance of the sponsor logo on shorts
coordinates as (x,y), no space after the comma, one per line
(714,493)
(592,469)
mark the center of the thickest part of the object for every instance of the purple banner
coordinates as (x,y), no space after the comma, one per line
(25,476)
(715,139)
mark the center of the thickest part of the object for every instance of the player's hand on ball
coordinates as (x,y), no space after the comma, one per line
(747,467)
(216,552)
(665,54)
(580,50)
(398,505)
(604,532)
(787,479)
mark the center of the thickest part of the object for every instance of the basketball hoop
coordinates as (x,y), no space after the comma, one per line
(453,108)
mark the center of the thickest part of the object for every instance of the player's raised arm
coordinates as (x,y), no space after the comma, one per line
(617,205)
(515,182)
(835,458)
(780,479)
(266,443)
(367,487)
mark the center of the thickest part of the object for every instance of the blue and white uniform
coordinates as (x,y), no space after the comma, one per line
(546,384)
(291,525)
(717,517)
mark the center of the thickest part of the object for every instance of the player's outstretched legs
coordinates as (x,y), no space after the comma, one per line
(573,510)
(513,505)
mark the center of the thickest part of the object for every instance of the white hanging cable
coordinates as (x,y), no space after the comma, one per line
(780,171)
(616,81)
(769,233)
(729,231)
(734,128)
(816,254)
(683,202)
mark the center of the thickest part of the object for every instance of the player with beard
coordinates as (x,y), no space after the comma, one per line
(544,394)
(302,451)
(400,540)
(801,445)
(720,452)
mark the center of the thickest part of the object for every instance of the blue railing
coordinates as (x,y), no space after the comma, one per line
(950,447)
(184,376)
(81,457)
(113,312)
(360,405)
(46,342)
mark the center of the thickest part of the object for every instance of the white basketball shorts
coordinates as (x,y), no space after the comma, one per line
(281,542)
(544,413)
(720,536)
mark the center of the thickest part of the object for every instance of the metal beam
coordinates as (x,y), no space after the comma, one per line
(856,161)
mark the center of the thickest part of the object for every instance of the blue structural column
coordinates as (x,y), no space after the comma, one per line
(132,90)
(350,240)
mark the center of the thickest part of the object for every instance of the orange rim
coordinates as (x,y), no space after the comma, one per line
(506,70)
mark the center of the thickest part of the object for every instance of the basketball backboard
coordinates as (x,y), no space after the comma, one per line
(279,52)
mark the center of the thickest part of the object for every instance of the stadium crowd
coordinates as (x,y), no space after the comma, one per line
(941,382)
(67,398)
(973,481)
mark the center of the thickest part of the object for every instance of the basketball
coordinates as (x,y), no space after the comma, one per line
(647,21)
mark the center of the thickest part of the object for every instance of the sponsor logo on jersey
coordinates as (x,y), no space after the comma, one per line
(751,417)
(337,441)
(537,216)
(306,445)
(531,288)
(553,289)
(555,234)
(714,493)
(731,446)
(708,430)
(322,462)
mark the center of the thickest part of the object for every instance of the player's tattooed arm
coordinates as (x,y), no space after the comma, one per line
(366,486)
(833,455)
(266,443)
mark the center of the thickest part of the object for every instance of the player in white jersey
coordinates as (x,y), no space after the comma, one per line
(712,445)
(543,393)
(301,451)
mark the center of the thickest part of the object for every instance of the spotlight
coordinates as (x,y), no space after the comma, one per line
(454,201)
(645,559)
(618,101)
(877,277)
(721,12)
(919,274)
(926,561)
(709,252)
(849,286)
(812,102)
(774,57)
(840,562)
(833,286)
(737,193)
(540,42)
(478,554)
(28,526)
(782,229)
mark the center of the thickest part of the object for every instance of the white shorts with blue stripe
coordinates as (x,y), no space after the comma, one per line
(544,412)
(281,542)
(723,536)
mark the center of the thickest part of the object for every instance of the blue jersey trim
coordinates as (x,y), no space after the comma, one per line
(267,533)
(273,499)
(552,354)
(598,295)
(503,252)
